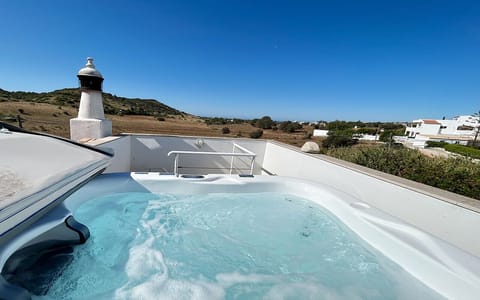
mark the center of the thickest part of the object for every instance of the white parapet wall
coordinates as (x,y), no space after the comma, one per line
(149,153)
(121,147)
(451,217)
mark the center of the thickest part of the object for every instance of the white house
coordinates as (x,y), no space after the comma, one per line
(459,130)
(366,137)
(320,132)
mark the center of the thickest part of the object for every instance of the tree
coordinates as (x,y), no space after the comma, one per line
(338,125)
(264,123)
(289,126)
(366,130)
(387,136)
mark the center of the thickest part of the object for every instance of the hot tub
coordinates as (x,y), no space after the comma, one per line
(234,237)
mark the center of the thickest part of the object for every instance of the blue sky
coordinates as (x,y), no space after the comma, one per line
(297,60)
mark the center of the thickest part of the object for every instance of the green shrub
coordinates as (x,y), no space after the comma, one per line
(289,126)
(436,144)
(386,136)
(339,125)
(336,141)
(215,121)
(468,151)
(256,134)
(343,132)
(366,130)
(161,119)
(463,150)
(458,175)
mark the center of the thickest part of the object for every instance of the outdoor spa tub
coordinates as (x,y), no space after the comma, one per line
(155,236)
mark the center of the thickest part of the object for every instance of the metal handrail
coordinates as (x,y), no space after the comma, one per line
(244,150)
(232,154)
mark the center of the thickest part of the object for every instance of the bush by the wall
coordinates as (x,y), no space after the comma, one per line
(225,130)
(458,175)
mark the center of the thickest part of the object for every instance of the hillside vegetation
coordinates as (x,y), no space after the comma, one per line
(51,113)
(112,104)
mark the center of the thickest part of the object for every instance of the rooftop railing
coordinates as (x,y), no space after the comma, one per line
(246,153)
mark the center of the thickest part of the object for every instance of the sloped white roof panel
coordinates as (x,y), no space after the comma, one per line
(35,170)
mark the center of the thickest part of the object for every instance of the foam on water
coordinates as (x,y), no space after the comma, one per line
(224,246)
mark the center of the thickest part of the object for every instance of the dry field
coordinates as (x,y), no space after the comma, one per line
(55,120)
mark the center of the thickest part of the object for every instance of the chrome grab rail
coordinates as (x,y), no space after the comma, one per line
(232,154)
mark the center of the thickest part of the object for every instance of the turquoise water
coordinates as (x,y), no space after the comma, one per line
(224,246)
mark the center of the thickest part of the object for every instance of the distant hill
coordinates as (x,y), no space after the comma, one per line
(112,104)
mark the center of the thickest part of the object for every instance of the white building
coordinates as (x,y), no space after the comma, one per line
(320,132)
(366,137)
(459,130)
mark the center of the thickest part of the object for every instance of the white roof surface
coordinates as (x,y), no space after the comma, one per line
(35,170)
(30,163)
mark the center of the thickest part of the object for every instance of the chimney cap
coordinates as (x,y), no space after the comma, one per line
(89,69)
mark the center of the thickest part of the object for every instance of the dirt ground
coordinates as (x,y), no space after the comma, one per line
(55,120)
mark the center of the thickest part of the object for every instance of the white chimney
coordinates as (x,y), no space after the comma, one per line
(91,122)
